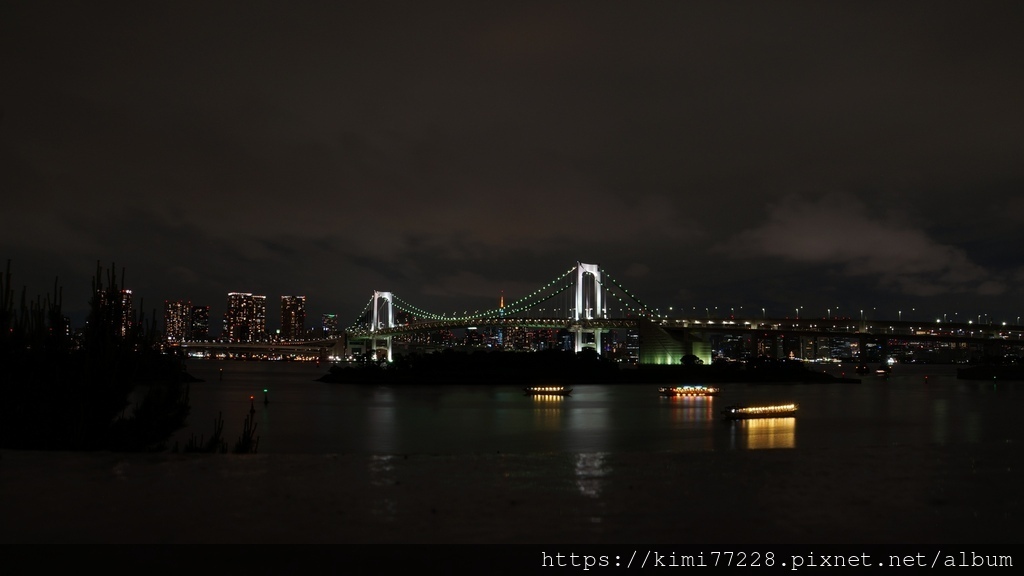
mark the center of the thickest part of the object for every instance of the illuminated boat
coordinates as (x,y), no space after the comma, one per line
(547,391)
(762,411)
(688,390)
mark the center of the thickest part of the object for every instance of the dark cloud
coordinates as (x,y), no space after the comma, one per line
(854,154)
(836,230)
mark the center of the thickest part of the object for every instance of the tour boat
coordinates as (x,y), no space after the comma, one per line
(688,390)
(547,391)
(740,412)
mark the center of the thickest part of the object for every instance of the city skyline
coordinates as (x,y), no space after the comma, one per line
(244,319)
(184,317)
(787,156)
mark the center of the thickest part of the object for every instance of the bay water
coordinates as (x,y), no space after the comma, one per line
(918,405)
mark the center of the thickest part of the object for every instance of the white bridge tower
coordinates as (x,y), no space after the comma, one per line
(382,317)
(589,304)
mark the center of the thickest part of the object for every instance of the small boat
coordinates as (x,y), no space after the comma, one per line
(688,390)
(884,370)
(739,412)
(547,391)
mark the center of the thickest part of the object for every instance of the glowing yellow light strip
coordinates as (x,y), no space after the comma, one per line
(767,409)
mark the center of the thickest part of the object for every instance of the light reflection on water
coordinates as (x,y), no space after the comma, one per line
(380,433)
(763,433)
(547,418)
(382,473)
(590,470)
(307,416)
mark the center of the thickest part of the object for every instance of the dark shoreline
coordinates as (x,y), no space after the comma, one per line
(601,373)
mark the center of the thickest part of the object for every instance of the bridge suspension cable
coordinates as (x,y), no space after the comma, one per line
(560,286)
(539,295)
(362,315)
(644,309)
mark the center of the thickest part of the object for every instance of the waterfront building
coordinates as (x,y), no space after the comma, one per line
(474,337)
(293,317)
(238,317)
(259,320)
(177,320)
(126,312)
(199,325)
(329,324)
(246,317)
(119,307)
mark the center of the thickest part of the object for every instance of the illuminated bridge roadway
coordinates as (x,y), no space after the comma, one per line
(586,298)
(680,330)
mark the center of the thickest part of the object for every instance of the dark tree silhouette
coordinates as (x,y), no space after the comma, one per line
(112,388)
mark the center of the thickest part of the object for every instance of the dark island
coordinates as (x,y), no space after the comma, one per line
(564,368)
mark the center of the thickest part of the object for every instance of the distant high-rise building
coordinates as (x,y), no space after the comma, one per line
(65,326)
(259,317)
(238,317)
(293,317)
(126,312)
(329,324)
(246,318)
(118,308)
(177,320)
(200,325)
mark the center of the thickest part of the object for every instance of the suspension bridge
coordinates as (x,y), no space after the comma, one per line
(586,302)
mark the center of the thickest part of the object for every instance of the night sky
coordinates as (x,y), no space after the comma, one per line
(829,155)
